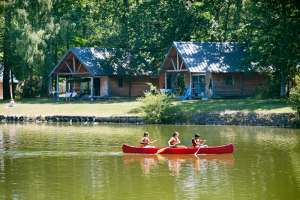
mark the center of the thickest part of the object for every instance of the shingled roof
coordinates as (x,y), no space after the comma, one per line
(93,59)
(209,56)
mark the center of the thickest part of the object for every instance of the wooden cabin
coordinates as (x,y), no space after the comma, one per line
(84,67)
(212,68)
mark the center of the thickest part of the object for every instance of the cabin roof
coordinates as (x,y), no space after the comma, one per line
(209,56)
(92,58)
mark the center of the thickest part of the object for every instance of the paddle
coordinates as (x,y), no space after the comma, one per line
(199,149)
(161,150)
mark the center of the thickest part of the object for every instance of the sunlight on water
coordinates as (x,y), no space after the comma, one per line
(78,161)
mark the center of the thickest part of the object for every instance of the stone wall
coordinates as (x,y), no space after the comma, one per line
(248,119)
(63,118)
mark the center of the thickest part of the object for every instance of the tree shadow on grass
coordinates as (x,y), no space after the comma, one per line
(205,108)
(63,101)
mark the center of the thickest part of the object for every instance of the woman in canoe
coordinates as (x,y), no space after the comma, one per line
(174,141)
(145,142)
(196,142)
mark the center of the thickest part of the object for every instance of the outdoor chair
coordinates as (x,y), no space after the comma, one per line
(68,95)
(74,95)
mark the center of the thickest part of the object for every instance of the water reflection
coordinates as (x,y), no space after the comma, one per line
(176,162)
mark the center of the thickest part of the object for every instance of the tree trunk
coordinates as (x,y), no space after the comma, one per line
(125,20)
(217,17)
(12,84)
(55,52)
(226,22)
(283,50)
(85,27)
(6,88)
(237,18)
(6,55)
(283,79)
(68,41)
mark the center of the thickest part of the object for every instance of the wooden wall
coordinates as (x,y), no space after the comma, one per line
(138,86)
(161,82)
(104,83)
(247,89)
(250,83)
(187,79)
(1,89)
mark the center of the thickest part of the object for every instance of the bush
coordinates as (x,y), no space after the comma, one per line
(30,91)
(295,97)
(157,106)
(269,88)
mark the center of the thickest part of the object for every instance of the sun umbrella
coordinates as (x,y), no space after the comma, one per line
(75,79)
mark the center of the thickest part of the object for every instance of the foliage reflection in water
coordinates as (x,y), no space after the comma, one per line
(82,161)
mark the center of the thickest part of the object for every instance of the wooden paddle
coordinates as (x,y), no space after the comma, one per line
(161,150)
(198,149)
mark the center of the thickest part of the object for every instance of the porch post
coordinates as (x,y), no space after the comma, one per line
(57,88)
(212,84)
(74,64)
(191,85)
(177,62)
(165,79)
(92,87)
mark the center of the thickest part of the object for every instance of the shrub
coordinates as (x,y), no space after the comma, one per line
(157,106)
(295,97)
(269,88)
(30,91)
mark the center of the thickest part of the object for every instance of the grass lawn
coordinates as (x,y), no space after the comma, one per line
(235,105)
(131,107)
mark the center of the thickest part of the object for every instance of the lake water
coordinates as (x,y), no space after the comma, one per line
(64,161)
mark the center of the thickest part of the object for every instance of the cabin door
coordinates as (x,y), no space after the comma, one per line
(97,86)
(199,82)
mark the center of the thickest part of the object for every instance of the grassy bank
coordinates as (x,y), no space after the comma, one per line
(131,107)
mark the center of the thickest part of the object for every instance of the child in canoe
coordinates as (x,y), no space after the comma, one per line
(174,141)
(145,142)
(196,142)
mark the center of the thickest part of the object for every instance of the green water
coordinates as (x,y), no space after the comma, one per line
(63,161)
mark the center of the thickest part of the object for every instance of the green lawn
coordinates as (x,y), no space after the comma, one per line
(235,105)
(131,107)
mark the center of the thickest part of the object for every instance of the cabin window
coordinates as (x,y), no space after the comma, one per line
(229,80)
(121,82)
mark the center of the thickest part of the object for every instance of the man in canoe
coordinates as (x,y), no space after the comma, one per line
(145,142)
(196,142)
(174,141)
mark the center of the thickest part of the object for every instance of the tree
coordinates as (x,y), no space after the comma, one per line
(273,41)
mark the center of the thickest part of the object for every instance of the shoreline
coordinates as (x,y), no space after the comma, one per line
(287,120)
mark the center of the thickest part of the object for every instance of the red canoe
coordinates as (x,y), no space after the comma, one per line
(180,150)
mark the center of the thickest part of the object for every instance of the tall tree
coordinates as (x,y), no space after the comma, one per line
(274,37)
(7,61)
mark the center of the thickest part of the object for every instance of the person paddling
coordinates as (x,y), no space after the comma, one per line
(174,141)
(196,142)
(145,142)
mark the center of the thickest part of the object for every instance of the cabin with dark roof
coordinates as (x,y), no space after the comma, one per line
(212,68)
(83,70)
